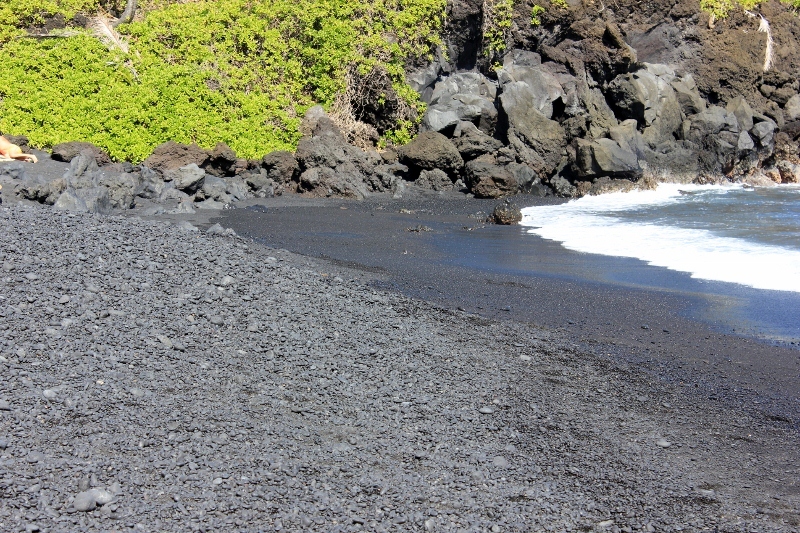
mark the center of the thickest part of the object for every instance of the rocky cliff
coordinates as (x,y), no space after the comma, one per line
(596,92)
(580,99)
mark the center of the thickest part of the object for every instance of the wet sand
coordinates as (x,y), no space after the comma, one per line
(437,248)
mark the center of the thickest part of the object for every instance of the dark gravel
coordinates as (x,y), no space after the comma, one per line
(156,378)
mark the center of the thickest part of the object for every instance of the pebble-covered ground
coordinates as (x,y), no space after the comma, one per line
(159,378)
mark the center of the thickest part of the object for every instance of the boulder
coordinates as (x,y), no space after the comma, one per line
(506,214)
(527,179)
(616,155)
(789,172)
(544,87)
(186,207)
(764,133)
(188,179)
(698,128)
(325,181)
(605,157)
(485,179)
(13,170)
(472,143)
(222,161)
(237,188)
(66,152)
(742,111)
(39,189)
(468,96)
(87,200)
(689,98)
(327,165)
(150,184)
(562,187)
(171,194)
(172,156)
(599,116)
(628,137)
(745,144)
(261,185)
(121,187)
(673,160)
(521,58)
(650,100)
(431,150)
(792,108)
(538,141)
(214,188)
(423,80)
(435,180)
(281,167)
(81,172)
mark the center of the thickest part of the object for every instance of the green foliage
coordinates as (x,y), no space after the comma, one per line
(720,8)
(17,14)
(239,71)
(536,12)
(497,19)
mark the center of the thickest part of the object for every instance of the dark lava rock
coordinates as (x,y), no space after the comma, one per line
(506,214)
(172,156)
(431,150)
(66,152)
(488,180)
(281,167)
(222,161)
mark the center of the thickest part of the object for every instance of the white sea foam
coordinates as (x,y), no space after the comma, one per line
(589,225)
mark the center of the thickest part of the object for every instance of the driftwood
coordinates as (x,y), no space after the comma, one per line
(128,14)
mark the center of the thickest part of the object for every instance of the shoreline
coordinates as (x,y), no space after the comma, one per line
(562,291)
(261,388)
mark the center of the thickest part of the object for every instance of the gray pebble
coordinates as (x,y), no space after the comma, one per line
(4,405)
(187,226)
(215,229)
(34,457)
(217,320)
(500,461)
(102,496)
(486,410)
(84,501)
(663,443)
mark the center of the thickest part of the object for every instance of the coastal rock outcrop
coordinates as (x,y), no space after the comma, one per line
(431,150)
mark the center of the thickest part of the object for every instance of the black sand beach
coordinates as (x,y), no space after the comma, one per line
(683,329)
(162,379)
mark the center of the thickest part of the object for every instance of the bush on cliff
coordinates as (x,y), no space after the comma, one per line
(238,71)
(720,8)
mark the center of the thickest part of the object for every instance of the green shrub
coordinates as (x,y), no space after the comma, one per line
(536,13)
(720,8)
(497,18)
(238,71)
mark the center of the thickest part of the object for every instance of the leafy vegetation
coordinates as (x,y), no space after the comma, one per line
(719,9)
(497,19)
(536,13)
(238,71)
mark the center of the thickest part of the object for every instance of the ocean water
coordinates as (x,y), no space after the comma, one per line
(737,235)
